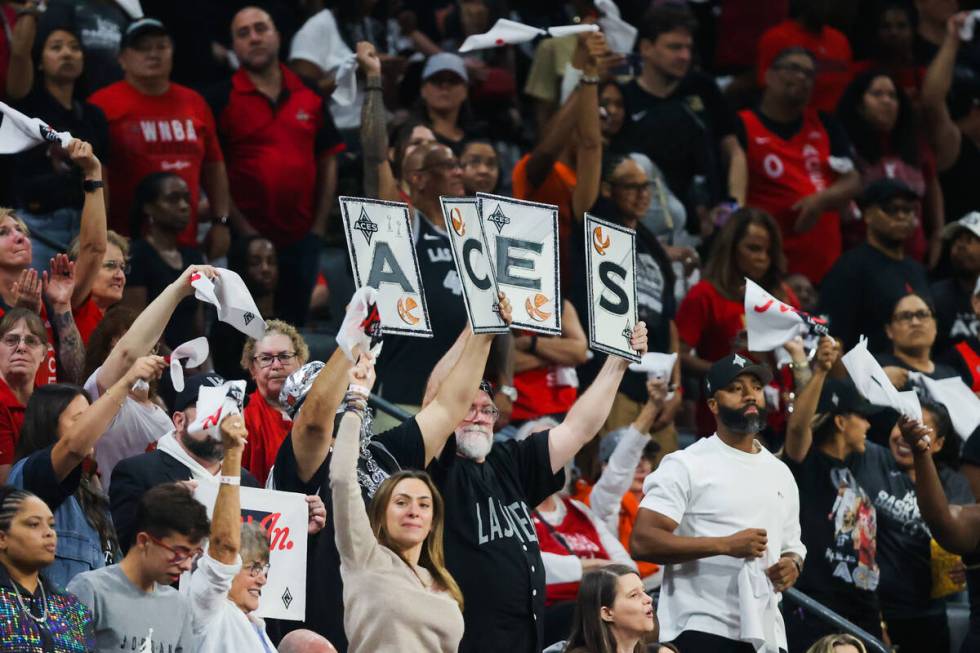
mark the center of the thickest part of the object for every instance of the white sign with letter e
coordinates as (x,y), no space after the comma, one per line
(284,517)
(610,255)
(382,254)
(469,246)
(522,242)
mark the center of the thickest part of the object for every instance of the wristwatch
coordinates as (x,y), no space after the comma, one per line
(509,391)
(92,185)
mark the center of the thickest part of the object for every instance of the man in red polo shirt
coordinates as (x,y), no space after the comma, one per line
(158,126)
(800,170)
(282,151)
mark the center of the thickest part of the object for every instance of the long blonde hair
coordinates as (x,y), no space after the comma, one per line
(433,557)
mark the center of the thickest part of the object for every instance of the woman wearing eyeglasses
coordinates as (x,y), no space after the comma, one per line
(60,428)
(23,344)
(161,211)
(38,617)
(228,581)
(269,362)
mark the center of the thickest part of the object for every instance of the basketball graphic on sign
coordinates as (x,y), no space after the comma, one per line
(456,219)
(598,242)
(405,307)
(535,308)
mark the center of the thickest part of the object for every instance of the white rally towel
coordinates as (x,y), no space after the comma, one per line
(131,7)
(510,32)
(567,30)
(192,353)
(229,294)
(771,323)
(214,404)
(656,365)
(956,396)
(345,76)
(875,386)
(19,132)
(620,35)
(361,325)
(758,607)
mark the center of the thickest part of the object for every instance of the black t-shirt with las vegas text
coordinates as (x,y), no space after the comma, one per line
(399,448)
(904,552)
(491,547)
(955,318)
(838,525)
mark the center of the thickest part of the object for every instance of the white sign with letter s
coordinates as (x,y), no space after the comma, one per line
(610,255)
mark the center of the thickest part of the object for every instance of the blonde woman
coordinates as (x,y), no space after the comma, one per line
(398,595)
(837,644)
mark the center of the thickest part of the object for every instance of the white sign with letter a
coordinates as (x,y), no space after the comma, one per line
(469,246)
(382,254)
(610,255)
(522,242)
(284,517)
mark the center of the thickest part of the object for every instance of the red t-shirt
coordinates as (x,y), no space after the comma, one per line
(11,419)
(831,49)
(557,188)
(783,172)
(87,317)
(47,372)
(272,153)
(539,394)
(267,428)
(575,535)
(172,132)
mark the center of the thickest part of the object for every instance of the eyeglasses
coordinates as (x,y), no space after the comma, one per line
(265,360)
(257,568)
(908,316)
(114,265)
(489,412)
(178,553)
(640,187)
(13,341)
(797,69)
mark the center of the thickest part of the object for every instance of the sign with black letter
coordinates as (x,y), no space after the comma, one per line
(382,254)
(522,243)
(469,246)
(610,254)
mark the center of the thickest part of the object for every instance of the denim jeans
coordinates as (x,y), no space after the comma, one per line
(58,227)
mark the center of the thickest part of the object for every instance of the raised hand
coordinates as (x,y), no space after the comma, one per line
(828,353)
(146,369)
(915,433)
(362,374)
(233,432)
(367,59)
(639,340)
(183,282)
(82,155)
(504,307)
(317,514)
(59,283)
(27,291)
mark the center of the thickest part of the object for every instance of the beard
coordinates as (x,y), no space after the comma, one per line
(738,420)
(473,442)
(207,448)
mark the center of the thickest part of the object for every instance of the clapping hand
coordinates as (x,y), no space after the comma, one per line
(27,291)
(59,283)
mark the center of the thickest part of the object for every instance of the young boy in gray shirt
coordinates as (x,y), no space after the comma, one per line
(132,601)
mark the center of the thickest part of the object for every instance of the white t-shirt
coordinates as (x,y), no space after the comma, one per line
(713,490)
(319,42)
(220,625)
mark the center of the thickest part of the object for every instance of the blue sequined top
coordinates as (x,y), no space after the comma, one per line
(67,629)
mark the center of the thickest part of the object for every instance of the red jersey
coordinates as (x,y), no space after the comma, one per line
(11,419)
(629,510)
(172,132)
(575,535)
(541,392)
(831,49)
(272,152)
(87,317)
(267,428)
(782,173)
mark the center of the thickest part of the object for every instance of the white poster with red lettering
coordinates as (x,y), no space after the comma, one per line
(382,255)
(522,245)
(284,517)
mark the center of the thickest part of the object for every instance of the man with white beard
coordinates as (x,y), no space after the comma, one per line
(489,489)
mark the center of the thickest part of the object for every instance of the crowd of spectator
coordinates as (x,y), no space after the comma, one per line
(539,495)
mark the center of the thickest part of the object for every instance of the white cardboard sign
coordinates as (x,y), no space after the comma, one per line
(522,242)
(469,246)
(382,253)
(610,255)
(284,516)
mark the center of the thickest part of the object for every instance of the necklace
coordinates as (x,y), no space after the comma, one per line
(44,603)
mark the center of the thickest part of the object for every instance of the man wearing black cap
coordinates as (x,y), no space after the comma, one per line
(158,126)
(859,292)
(710,511)
(179,456)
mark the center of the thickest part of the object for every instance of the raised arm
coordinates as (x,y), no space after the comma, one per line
(552,141)
(570,348)
(92,236)
(148,327)
(944,136)
(312,432)
(58,284)
(20,70)
(589,413)
(588,157)
(799,435)
(226,522)
(379,181)
(81,434)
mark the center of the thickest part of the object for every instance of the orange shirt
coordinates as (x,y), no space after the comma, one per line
(557,189)
(628,510)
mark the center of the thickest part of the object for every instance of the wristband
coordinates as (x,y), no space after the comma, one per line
(230,480)
(359,389)
(589,79)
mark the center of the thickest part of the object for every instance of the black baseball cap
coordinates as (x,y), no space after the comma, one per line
(841,397)
(883,190)
(188,396)
(140,28)
(730,367)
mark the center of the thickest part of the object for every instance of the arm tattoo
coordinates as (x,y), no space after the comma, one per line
(71,351)
(374,138)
